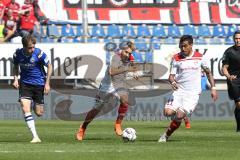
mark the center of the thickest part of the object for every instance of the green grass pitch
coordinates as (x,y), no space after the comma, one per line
(215,140)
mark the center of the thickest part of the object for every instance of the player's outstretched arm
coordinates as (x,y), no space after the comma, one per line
(47,83)
(212,83)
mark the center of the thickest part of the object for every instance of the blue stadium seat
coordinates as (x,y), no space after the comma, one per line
(143,31)
(113,31)
(128,31)
(159,31)
(203,30)
(149,57)
(137,57)
(215,41)
(156,43)
(170,40)
(173,31)
(77,40)
(231,29)
(190,30)
(37,33)
(219,31)
(67,31)
(65,40)
(43,31)
(93,40)
(98,31)
(52,31)
(141,44)
(200,40)
(47,40)
(109,39)
(79,31)
(229,40)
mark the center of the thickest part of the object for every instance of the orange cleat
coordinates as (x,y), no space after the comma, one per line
(187,124)
(80,133)
(118,129)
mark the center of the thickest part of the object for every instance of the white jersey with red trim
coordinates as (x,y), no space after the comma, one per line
(187,71)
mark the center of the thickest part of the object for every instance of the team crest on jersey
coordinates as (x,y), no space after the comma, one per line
(32,60)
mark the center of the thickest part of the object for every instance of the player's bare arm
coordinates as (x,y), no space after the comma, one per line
(15,74)
(212,83)
(172,81)
(119,70)
(47,83)
(226,73)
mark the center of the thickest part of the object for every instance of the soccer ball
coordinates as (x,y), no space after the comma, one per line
(129,134)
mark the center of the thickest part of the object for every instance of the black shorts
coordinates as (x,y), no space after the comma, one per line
(234,90)
(32,92)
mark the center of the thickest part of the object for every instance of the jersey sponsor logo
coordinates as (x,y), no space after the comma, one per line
(27,65)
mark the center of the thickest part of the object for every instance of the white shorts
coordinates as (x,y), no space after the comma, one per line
(184,101)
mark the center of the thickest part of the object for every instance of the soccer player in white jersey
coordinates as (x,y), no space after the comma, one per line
(112,90)
(185,79)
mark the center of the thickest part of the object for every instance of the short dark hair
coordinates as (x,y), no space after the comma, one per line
(236,32)
(27,39)
(188,38)
(131,45)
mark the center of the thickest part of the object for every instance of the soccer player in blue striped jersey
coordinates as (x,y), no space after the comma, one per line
(34,82)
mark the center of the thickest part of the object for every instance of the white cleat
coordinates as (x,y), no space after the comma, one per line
(36,140)
(163,138)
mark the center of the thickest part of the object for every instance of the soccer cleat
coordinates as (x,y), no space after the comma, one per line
(80,133)
(163,138)
(36,140)
(118,129)
(187,125)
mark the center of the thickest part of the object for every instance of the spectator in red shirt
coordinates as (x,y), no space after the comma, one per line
(27,24)
(28,6)
(15,7)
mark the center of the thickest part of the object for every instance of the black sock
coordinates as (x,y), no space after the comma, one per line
(237,117)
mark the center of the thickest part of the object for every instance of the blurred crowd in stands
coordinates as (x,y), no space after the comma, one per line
(19,20)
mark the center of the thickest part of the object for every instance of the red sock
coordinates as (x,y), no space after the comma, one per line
(122,110)
(186,120)
(172,127)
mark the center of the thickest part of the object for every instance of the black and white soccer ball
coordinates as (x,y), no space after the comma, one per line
(129,134)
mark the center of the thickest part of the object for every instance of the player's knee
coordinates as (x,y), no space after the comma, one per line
(180,115)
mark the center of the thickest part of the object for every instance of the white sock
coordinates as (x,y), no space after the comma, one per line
(31,124)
